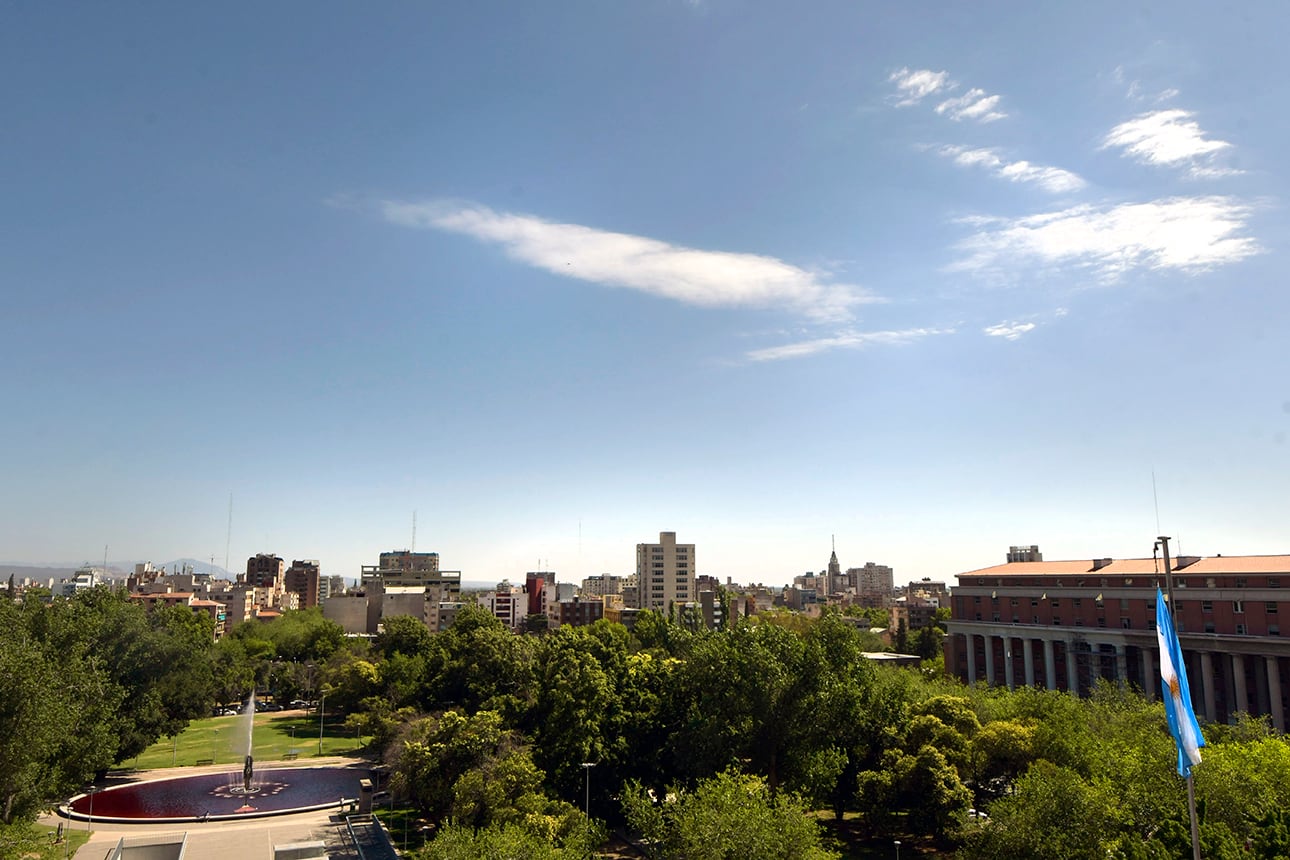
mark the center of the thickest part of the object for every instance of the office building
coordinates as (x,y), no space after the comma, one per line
(665,573)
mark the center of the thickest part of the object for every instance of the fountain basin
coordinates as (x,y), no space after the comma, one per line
(220,796)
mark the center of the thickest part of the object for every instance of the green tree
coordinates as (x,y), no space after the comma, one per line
(403,634)
(468,767)
(1053,815)
(732,816)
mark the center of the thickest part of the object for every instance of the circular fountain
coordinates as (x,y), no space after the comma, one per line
(247,793)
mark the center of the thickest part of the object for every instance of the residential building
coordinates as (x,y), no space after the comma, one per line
(535,587)
(665,572)
(84,578)
(601,584)
(265,571)
(508,604)
(874,584)
(330,586)
(304,578)
(404,569)
(1065,624)
(581,611)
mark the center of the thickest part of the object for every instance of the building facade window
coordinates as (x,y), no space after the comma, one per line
(1238,606)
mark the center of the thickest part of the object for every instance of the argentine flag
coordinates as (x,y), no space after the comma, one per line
(1173,684)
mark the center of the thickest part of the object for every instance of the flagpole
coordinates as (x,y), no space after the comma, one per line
(1191,781)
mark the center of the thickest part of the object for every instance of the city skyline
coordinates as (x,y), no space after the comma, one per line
(935,281)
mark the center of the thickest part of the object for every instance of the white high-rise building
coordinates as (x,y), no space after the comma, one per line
(665,572)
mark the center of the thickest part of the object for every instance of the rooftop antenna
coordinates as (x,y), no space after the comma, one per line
(228,537)
(414,532)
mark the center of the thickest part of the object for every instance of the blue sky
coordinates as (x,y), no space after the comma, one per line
(560,276)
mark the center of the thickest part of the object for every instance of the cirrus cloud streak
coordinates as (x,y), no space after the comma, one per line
(1189,234)
(845,340)
(1053,179)
(713,279)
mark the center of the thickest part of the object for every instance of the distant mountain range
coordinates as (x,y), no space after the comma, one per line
(116,569)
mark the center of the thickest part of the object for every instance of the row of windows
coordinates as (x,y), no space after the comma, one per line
(1127,624)
(1238,606)
(1179,582)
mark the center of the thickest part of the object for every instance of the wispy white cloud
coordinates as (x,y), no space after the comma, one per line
(914,85)
(1009,330)
(975,104)
(1052,179)
(1185,234)
(1169,138)
(845,340)
(690,275)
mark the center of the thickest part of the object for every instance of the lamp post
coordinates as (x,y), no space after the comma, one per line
(897,849)
(215,746)
(587,766)
(91,815)
(322,717)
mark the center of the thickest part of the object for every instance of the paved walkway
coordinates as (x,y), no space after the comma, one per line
(249,839)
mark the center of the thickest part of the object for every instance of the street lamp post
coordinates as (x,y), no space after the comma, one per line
(322,717)
(215,746)
(587,766)
(91,815)
(897,849)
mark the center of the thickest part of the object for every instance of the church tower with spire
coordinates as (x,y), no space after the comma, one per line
(833,577)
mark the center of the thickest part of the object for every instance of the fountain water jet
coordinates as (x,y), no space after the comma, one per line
(248,770)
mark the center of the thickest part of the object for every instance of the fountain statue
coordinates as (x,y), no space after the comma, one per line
(246,775)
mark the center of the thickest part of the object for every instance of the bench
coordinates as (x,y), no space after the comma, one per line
(291,756)
(205,761)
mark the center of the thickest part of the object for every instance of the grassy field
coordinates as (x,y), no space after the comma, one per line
(222,739)
(36,842)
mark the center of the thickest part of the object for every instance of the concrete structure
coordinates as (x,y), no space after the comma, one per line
(535,587)
(330,586)
(303,578)
(875,582)
(1024,553)
(581,611)
(392,585)
(85,577)
(1064,624)
(665,572)
(508,604)
(601,584)
(348,610)
(264,571)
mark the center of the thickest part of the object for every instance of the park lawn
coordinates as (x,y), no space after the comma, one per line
(221,740)
(36,841)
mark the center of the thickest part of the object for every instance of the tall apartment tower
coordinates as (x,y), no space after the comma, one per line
(265,571)
(665,572)
(304,578)
(873,580)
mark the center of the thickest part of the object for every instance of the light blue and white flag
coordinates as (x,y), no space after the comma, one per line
(1177,695)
